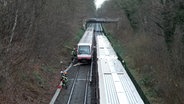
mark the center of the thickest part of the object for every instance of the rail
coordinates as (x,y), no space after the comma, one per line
(59,89)
(73,86)
(91,70)
(86,88)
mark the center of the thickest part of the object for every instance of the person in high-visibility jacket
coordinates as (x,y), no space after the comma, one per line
(64,79)
(74,53)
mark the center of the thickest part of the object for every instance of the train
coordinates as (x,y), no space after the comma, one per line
(114,83)
(85,47)
(98,27)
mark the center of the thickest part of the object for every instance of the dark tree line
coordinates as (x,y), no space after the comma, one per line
(33,35)
(151,34)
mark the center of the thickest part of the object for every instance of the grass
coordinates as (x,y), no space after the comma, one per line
(2,82)
(46,68)
(136,77)
(38,78)
(115,44)
(79,35)
(69,45)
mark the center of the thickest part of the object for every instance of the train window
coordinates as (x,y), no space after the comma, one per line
(84,50)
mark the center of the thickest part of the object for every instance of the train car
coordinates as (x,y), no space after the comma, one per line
(98,27)
(115,86)
(85,45)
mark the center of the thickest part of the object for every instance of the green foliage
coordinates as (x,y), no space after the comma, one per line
(162,23)
(182,38)
(40,81)
(168,24)
(119,51)
(130,7)
(180,18)
(46,68)
(151,93)
(69,44)
(2,82)
(180,13)
(147,81)
(172,16)
(38,30)
(115,43)
(79,35)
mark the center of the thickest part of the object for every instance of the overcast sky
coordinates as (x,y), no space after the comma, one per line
(98,3)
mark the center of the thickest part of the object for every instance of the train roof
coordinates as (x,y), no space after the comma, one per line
(87,38)
(115,86)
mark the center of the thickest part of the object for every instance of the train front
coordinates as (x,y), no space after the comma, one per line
(84,53)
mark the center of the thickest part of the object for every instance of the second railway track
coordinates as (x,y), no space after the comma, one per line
(79,89)
(78,86)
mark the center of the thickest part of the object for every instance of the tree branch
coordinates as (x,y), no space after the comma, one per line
(14,26)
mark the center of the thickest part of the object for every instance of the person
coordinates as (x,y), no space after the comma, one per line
(74,53)
(64,79)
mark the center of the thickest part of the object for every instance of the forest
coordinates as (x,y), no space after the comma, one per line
(150,38)
(35,35)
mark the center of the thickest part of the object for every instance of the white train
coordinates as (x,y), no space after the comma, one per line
(85,45)
(98,27)
(115,86)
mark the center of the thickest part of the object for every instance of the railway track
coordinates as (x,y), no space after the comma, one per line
(111,83)
(78,91)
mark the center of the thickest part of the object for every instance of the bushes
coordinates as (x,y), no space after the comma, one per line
(33,33)
(151,36)
(150,64)
(131,7)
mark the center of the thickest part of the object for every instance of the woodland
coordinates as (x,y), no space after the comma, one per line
(150,38)
(36,35)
